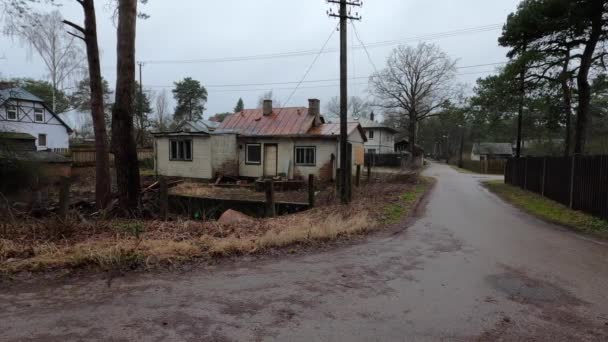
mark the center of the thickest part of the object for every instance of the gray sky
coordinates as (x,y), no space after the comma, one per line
(197,30)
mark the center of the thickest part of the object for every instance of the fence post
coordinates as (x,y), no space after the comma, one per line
(572,169)
(369,172)
(64,197)
(338,170)
(164,198)
(270,207)
(525,173)
(311,190)
(542,185)
(358,176)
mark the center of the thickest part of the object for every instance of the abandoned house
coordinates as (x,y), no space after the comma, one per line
(267,142)
(23,112)
(485,151)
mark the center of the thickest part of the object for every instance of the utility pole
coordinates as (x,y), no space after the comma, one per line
(345,170)
(140,104)
(522,97)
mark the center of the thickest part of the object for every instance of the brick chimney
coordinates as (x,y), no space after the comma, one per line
(267,107)
(314,107)
(371,116)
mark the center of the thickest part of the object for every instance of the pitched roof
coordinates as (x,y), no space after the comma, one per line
(492,148)
(24,95)
(19,94)
(333,129)
(367,123)
(282,121)
(201,125)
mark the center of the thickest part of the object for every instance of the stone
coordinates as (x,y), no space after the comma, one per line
(232,216)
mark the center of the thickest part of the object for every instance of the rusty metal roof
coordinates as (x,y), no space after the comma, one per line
(282,121)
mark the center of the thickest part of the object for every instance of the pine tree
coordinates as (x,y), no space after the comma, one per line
(240,106)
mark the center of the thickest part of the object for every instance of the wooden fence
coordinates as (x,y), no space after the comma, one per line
(86,156)
(385,159)
(579,182)
(489,166)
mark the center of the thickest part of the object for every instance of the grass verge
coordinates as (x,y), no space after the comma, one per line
(394,212)
(128,244)
(549,210)
(461,170)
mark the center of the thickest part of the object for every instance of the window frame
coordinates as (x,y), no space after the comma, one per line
(180,153)
(15,110)
(247,161)
(35,118)
(295,155)
(45,140)
(370,134)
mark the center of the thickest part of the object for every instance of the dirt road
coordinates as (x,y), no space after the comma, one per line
(471,268)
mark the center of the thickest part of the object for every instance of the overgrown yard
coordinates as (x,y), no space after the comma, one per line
(36,245)
(549,210)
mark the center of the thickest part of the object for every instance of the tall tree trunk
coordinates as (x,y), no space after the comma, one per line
(412,136)
(103,190)
(567,105)
(584,89)
(123,142)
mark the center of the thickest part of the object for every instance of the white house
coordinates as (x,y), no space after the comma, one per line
(267,142)
(23,112)
(380,137)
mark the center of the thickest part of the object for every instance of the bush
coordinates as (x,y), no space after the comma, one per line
(21,174)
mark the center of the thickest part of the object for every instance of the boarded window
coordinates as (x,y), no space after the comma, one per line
(42,140)
(11,112)
(306,155)
(39,114)
(180,149)
(253,154)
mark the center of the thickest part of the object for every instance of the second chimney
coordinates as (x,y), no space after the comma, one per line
(314,107)
(267,107)
(371,116)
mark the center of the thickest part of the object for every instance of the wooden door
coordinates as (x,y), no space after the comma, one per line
(270,160)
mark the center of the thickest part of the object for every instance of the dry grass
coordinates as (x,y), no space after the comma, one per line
(123,244)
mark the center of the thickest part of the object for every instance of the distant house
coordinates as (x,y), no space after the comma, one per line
(402,145)
(380,137)
(23,112)
(267,142)
(485,151)
(201,125)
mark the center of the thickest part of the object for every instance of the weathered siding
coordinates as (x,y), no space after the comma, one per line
(224,155)
(199,167)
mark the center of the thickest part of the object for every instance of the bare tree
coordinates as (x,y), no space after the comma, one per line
(357,107)
(415,84)
(268,96)
(46,35)
(123,141)
(162,110)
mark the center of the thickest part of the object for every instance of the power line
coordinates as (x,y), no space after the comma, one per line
(439,35)
(369,57)
(314,81)
(309,68)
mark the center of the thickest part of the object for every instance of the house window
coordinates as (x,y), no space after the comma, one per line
(11,112)
(372,151)
(180,150)
(253,154)
(306,155)
(39,114)
(370,135)
(42,140)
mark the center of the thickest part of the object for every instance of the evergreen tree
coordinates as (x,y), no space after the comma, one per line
(240,106)
(191,97)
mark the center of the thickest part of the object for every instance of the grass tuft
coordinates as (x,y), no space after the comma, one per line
(549,210)
(395,211)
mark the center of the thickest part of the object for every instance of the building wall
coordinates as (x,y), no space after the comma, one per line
(57,135)
(199,167)
(224,155)
(383,141)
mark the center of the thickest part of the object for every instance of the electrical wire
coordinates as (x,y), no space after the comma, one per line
(439,35)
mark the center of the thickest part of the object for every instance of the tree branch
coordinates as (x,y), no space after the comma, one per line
(75,26)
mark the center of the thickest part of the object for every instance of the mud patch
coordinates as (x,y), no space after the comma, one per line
(525,290)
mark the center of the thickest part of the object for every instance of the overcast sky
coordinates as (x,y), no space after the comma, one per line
(195,30)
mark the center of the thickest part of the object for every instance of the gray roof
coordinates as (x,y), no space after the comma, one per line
(35,156)
(16,136)
(493,149)
(367,123)
(19,94)
(24,95)
(205,126)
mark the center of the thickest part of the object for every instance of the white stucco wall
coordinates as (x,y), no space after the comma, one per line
(57,135)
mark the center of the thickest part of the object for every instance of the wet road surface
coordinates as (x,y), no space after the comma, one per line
(471,268)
